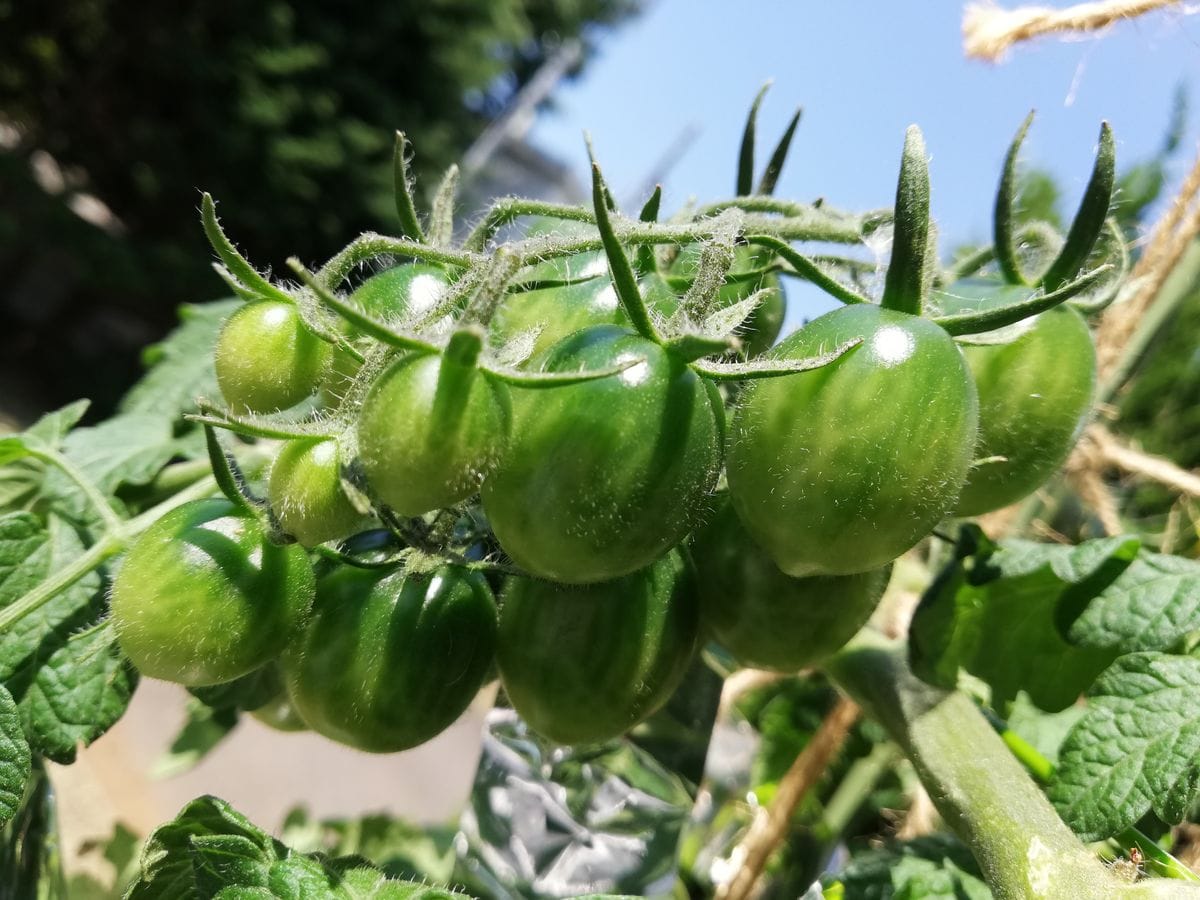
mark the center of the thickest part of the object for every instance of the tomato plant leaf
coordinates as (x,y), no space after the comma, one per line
(1136,749)
(221,860)
(79,692)
(15,758)
(935,867)
(992,612)
(1153,603)
(180,367)
(71,686)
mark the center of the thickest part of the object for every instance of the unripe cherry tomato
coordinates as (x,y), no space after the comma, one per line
(390,660)
(769,620)
(586,663)
(202,597)
(306,494)
(841,469)
(429,431)
(267,359)
(603,477)
(1035,394)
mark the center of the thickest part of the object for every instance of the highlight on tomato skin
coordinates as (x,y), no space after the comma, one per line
(769,620)
(202,597)
(267,359)
(842,469)
(603,477)
(585,663)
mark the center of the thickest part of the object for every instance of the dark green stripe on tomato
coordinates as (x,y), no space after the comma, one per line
(841,469)
(390,661)
(601,478)
(586,663)
(1035,394)
(202,597)
(769,620)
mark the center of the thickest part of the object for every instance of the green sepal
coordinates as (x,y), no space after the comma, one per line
(237,264)
(236,286)
(807,269)
(226,473)
(769,368)
(406,210)
(770,175)
(464,346)
(266,427)
(745,174)
(693,346)
(990,319)
(441,212)
(1004,216)
(1089,220)
(356,317)
(645,253)
(623,277)
(1111,248)
(539,380)
(904,287)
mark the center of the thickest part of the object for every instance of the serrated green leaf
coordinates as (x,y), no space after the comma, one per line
(21,479)
(15,758)
(1136,749)
(51,428)
(221,860)
(936,867)
(77,695)
(1152,605)
(167,872)
(995,615)
(181,366)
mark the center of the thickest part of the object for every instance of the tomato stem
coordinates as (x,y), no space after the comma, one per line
(982,792)
(109,545)
(509,209)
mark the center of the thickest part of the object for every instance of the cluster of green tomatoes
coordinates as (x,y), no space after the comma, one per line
(582,515)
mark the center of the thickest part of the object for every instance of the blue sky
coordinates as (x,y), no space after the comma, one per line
(863,71)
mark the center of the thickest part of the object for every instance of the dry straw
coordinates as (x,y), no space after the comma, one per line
(988,30)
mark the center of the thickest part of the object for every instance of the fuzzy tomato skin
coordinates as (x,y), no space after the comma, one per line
(202,596)
(841,469)
(266,358)
(586,663)
(280,714)
(557,313)
(602,478)
(769,620)
(391,660)
(1035,395)
(305,491)
(429,432)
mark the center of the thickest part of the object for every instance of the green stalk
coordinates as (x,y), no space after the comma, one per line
(1023,848)
(855,789)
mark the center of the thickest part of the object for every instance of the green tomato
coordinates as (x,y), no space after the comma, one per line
(1035,394)
(601,478)
(841,469)
(306,493)
(390,660)
(586,663)
(267,359)
(769,620)
(762,328)
(429,431)
(393,295)
(203,597)
(556,313)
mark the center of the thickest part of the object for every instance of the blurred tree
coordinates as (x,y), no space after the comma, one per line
(284,110)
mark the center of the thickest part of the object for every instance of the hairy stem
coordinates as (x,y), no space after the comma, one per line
(1023,848)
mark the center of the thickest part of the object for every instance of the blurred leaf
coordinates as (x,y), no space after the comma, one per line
(936,867)
(204,728)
